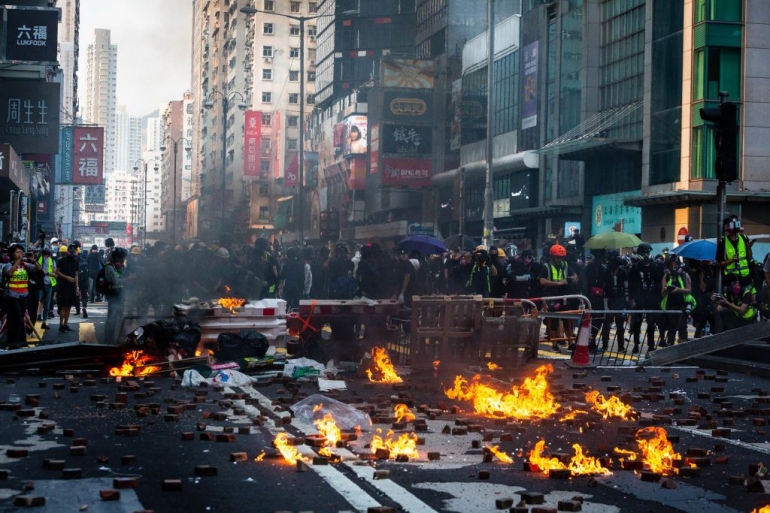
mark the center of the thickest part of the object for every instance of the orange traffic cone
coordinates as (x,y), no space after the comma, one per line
(580,357)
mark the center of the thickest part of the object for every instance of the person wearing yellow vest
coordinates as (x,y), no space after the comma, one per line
(734,254)
(736,307)
(555,278)
(16,276)
(48,264)
(677,297)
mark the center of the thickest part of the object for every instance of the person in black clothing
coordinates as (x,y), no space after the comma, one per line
(406,276)
(292,279)
(676,287)
(594,289)
(519,275)
(369,273)
(617,298)
(83,277)
(482,273)
(320,274)
(265,267)
(339,267)
(644,286)
(703,281)
(68,289)
(95,262)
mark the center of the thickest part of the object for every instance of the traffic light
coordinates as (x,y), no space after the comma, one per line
(725,120)
(329,225)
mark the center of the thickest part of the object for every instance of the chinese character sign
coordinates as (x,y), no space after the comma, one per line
(406,172)
(29,116)
(31,34)
(88,155)
(252,135)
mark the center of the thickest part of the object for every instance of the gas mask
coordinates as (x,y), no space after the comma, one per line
(733,226)
(734,290)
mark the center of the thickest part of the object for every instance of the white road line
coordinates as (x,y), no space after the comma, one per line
(764,448)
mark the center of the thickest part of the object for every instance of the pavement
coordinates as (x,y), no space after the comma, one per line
(84,441)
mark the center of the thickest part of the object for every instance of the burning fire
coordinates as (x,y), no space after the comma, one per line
(531,399)
(572,415)
(657,451)
(383,368)
(500,455)
(131,361)
(629,455)
(493,366)
(288,451)
(328,428)
(403,413)
(231,303)
(764,509)
(405,444)
(578,465)
(612,407)
(260,456)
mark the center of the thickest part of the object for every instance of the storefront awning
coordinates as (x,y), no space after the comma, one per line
(515,162)
(684,198)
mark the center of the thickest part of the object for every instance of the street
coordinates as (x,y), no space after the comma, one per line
(84,441)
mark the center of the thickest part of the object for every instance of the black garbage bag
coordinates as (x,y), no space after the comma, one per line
(245,344)
(188,338)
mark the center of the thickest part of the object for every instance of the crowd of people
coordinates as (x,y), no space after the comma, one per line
(53,278)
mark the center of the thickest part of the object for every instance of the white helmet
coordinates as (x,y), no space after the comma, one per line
(54,240)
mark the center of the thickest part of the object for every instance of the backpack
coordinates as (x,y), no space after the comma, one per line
(344,287)
(102,285)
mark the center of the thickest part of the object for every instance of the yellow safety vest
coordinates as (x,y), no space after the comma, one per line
(741,267)
(19,281)
(49,270)
(688,298)
(750,311)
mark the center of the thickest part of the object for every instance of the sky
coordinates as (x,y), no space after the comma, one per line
(153,39)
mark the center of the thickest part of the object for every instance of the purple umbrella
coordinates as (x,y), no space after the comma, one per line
(425,244)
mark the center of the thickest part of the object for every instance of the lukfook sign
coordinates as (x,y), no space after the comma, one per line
(31,34)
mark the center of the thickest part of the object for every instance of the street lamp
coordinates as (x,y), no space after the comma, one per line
(144,163)
(227,100)
(188,147)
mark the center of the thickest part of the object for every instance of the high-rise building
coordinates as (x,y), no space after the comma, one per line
(100,104)
(128,139)
(68,58)
(154,132)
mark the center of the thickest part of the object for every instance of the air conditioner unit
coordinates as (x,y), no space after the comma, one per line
(312,38)
(268,60)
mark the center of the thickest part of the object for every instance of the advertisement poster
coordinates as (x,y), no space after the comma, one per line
(252,135)
(31,34)
(355,135)
(407,139)
(610,214)
(88,155)
(29,116)
(455,108)
(406,172)
(529,97)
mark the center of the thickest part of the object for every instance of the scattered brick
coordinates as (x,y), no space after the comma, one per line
(382,474)
(71,473)
(29,501)
(503,503)
(128,459)
(17,453)
(559,473)
(206,471)
(483,474)
(569,506)
(171,485)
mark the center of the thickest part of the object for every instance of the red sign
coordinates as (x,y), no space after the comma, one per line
(406,172)
(88,155)
(252,136)
(291,173)
(278,156)
(374,162)
(358,172)
(683,233)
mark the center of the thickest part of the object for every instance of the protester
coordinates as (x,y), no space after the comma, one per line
(735,307)
(68,291)
(16,277)
(45,292)
(677,297)
(555,278)
(644,284)
(734,254)
(112,274)
(95,264)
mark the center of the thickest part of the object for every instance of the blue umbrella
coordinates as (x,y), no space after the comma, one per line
(697,250)
(425,244)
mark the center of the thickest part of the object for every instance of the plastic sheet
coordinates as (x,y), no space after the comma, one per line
(345,416)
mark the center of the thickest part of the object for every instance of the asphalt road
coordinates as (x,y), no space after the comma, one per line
(168,447)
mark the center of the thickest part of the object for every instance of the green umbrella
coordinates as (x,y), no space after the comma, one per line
(613,240)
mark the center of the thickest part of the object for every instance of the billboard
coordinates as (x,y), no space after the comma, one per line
(88,155)
(529,98)
(291,173)
(455,109)
(407,139)
(12,168)
(29,115)
(611,214)
(64,171)
(252,137)
(413,106)
(408,73)
(31,34)
(402,172)
(355,135)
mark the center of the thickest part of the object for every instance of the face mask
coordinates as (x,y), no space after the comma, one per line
(735,290)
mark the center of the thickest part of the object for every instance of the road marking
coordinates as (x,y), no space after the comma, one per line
(762,447)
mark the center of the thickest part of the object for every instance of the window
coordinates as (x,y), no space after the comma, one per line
(264,188)
(269,5)
(268,29)
(311,76)
(312,7)
(267,119)
(310,99)
(267,97)
(292,121)
(267,51)
(294,30)
(293,98)
(264,165)
(293,76)
(294,53)
(311,53)
(291,144)
(722,10)
(267,74)
(294,6)
(264,145)
(312,31)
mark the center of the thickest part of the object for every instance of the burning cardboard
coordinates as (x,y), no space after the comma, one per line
(580,464)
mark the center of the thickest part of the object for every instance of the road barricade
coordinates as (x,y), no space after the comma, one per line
(510,332)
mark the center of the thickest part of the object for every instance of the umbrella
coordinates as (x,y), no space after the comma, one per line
(463,242)
(425,244)
(613,240)
(697,250)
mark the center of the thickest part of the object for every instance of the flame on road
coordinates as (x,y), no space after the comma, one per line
(580,464)
(612,407)
(131,361)
(627,455)
(328,428)
(572,415)
(763,509)
(500,455)
(531,399)
(403,413)
(493,366)
(657,452)
(384,372)
(231,303)
(260,456)
(405,444)
(288,451)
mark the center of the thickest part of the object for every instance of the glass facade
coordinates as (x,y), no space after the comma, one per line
(571,66)
(622,62)
(505,94)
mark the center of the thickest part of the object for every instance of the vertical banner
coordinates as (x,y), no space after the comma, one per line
(455,109)
(88,155)
(529,98)
(64,175)
(278,145)
(252,136)
(291,173)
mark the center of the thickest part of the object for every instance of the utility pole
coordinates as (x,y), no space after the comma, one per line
(489,196)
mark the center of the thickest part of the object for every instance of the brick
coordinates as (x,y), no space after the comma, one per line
(503,503)
(382,474)
(4,473)
(71,473)
(434,456)
(650,477)
(29,501)
(206,471)
(225,437)
(17,453)
(238,457)
(50,464)
(689,471)
(188,436)
(124,483)
(128,459)
(320,460)
(543,509)
(559,473)
(171,485)
(569,506)
(483,475)
(109,495)
(207,437)
(78,450)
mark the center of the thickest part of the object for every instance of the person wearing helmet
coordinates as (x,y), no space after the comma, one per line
(734,251)
(594,289)
(616,299)
(735,307)
(265,267)
(340,269)
(555,278)
(45,294)
(292,278)
(113,271)
(68,286)
(482,273)
(676,290)
(644,284)
(94,261)
(499,262)
(520,273)
(16,274)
